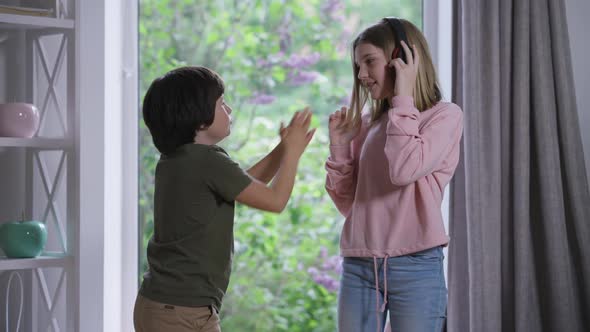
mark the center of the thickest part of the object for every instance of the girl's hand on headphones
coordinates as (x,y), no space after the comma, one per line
(405,73)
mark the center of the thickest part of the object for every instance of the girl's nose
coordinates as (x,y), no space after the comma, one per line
(362,73)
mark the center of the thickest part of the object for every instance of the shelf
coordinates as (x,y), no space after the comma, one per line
(40,143)
(11,21)
(33,263)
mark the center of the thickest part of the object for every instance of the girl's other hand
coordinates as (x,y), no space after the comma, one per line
(405,73)
(339,130)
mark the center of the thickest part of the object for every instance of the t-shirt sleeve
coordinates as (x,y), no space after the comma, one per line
(226,178)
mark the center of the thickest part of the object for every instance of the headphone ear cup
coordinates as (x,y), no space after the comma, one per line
(395,53)
(392,71)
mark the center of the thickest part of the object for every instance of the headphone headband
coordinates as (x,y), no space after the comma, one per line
(400,34)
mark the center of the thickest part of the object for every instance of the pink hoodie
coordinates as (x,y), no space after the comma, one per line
(389,182)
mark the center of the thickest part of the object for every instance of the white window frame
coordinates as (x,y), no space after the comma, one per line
(107,145)
(437,17)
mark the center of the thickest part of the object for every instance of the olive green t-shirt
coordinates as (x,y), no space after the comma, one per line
(190,253)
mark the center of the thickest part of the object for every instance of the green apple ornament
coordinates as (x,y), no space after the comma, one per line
(23,239)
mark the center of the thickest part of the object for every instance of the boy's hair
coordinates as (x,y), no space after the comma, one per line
(426,91)
(179,103)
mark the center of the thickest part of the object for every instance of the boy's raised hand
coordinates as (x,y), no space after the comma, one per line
(294,139)
(297,135)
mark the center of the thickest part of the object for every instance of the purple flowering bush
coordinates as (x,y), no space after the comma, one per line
(327,271)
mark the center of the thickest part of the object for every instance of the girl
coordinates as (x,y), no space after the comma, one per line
(387,171)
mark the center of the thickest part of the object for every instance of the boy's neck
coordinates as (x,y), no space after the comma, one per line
(204,139)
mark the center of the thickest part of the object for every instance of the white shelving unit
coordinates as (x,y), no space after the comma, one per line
(38,143)
(11,21)
(39,176)
(34,263)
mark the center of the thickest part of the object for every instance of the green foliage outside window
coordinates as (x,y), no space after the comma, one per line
(275,57)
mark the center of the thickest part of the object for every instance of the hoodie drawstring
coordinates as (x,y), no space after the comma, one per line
(382,309)
(376,293)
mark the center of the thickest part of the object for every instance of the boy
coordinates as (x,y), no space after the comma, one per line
(196,184)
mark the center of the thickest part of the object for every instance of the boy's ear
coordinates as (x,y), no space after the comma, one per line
(201,128)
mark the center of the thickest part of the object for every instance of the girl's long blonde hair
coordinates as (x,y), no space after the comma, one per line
(426,91)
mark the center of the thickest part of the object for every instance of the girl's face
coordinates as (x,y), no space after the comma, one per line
(374,72)
(221,126)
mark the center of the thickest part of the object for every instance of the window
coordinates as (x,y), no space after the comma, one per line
(275,57)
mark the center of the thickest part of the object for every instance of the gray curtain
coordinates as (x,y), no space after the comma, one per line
(519,258)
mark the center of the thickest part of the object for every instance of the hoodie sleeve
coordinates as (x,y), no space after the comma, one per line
(415,152)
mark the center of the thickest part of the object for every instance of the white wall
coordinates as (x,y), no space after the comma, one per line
(578,24)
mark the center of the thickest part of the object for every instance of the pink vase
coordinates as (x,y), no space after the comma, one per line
(18,120)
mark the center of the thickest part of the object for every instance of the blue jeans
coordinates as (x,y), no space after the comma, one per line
(416,293)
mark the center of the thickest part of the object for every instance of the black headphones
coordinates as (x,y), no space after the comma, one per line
(400,34)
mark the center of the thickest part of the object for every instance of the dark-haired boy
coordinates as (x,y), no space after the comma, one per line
(196,184)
